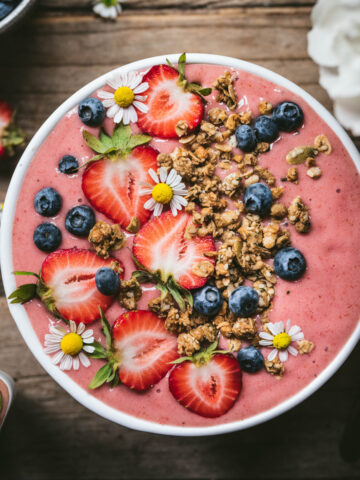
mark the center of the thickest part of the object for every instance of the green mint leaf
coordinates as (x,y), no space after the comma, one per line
(20,272)
(137,140)
(24,293)
(101,376)
(106,329)
(105,139)
(99,351)
(121,136)
(93,142)
(181,65)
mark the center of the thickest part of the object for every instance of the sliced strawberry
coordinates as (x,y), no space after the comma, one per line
(112,187)
(10,135)
(209,390)
(144,347)
(5,116)
(160,246)
(69,277)
(168,104)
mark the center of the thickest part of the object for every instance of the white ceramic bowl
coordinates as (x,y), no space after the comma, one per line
(19,12)
(19,313)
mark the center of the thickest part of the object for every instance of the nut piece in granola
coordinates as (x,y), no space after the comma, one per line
(105,238)
(226,92)
(322,144)
(189,343)
(278,210)
(275,367)
(292,175)
(314,172)
(130,293)
(298,214)
(265,107)
(305,346)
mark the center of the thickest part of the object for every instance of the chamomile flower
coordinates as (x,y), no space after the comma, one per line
(108,8)
(281,338)
(169,189)
(69,346)
(125,98)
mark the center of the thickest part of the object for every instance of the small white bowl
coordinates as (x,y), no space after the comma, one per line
(16,15)
(19,313)
(9,384)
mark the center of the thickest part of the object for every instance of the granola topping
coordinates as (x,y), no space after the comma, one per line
(298,214)
(105,237)
(226,92)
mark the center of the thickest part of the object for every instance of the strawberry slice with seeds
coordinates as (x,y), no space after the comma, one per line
(69,288)
(168,103)
(144,348)
(160,246)
(112,187)
(209,389)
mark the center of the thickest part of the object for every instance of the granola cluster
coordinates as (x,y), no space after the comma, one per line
(105,237)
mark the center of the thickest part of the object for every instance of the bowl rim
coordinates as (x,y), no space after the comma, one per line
(19,314)
(15,15)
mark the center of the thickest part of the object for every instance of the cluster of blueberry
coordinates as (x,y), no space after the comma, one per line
(7,6)
(287,117)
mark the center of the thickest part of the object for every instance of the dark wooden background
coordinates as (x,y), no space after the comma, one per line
(50,436)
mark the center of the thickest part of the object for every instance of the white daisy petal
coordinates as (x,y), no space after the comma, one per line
(115,82)
(171,177)
(126,117)
(150,204)
(163,174)
(84,359)
(145,191)
(278,327)
(87,333)
(177,182)
(52,349)
(266,335)
(119,116)
(283,355)
(272,355)
(293,330)
(298,336)
(141,88)
(181,200)
(89,349)
(141,106)
(175,203)
(105,94)
(158,209)
(113,111)
(56,358)
(72,326)
(173,208)
(57,331)
(153,175)
(292,350)
(141,98)
(133,114)
(108,103)
(287,328)
(76,363)
(265,343)
(66,362)
(89,340)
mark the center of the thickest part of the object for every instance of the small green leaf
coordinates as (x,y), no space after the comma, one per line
(121,136)
(116,381)
(93,142)
(106,329)
(137,140)
(176,296)
(170,64)
(181,65)
(24,293)
(19,272)
(101,376)
(142,277)
(163,289)
(180,360)
(99,351)
(205,91)
(105,139)
(111,377)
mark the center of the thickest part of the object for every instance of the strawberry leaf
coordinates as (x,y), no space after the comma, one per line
(106,329)
(101,376)
(137,140)
(121,137)
(93,142)
(180,360)
(142,277)
(205,91)
(105,139)
(20,272)
(176,296)
(24,293)
(181,65)
(99,351)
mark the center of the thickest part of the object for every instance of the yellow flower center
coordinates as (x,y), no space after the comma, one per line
(71,344)
(282,341)
(124,97)
(162,193)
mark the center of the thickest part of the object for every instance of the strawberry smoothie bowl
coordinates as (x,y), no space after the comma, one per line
(179,245)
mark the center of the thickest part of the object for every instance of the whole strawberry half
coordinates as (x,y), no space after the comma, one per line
(144,349)
(112,187)
(160,246)
(168,103)
(207,388)
(10,135)
(68,284)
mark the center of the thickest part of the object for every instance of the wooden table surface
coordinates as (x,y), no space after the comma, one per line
(48,434)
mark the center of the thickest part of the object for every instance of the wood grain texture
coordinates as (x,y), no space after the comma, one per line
(48,434)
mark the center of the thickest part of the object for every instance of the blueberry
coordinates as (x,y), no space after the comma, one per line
(6,8)
(68,165)
(107,281)
(246,138)
(250,359)
(80,220)
(258,198)
(47,237)
(91,112)
(208,300)
(288,116)
(266,129)
(47,202)
(243,301)
(289,263)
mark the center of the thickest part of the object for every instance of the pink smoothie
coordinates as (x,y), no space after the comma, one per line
(325,302)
